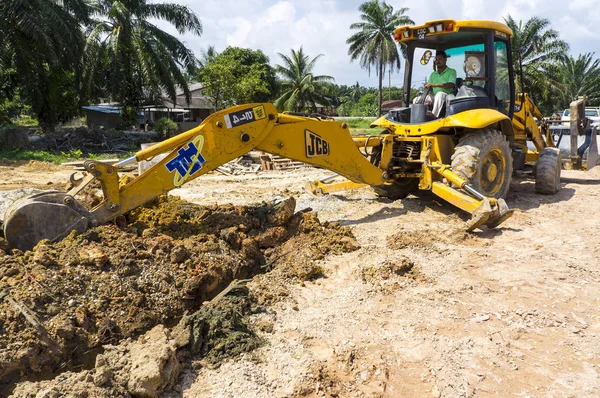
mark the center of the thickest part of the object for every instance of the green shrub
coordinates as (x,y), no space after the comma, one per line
(166,128)
(25,120)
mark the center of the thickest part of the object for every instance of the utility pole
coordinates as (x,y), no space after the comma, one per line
(389,84)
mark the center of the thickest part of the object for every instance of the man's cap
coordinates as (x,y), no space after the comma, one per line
(441,52)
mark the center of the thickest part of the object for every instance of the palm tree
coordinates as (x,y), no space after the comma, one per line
(356,91)
(535,47)
(300,87)
(41,40)
(134,55)
(578,77)
(374,45)
(208,55)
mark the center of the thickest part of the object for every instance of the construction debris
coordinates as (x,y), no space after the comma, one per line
(274,162)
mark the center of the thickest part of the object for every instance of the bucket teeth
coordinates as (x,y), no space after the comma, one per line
(503,213)
(491,214)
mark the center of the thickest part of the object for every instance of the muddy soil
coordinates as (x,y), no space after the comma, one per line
(419,309)
(64,301)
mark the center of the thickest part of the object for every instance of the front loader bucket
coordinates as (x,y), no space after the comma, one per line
(47,215)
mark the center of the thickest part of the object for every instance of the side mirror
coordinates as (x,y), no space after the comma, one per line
(426,57)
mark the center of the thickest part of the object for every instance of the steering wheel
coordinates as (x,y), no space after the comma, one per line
(424,96)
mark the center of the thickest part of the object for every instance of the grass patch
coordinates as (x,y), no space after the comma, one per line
(358,123)
(26,121)
(25,154)
(360,126)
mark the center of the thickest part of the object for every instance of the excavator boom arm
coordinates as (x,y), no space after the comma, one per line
(229,134)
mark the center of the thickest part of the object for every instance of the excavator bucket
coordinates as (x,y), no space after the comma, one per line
(47,215)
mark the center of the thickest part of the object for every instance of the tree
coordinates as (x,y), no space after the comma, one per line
(300,86)
(374,45)
(366,106)
(579,77)
(134,56)
(238,76)
(41,40)
(535,47)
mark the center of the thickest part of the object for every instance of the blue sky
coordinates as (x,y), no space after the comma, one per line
(322,26)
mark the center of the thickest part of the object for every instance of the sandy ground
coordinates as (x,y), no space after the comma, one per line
(422,309)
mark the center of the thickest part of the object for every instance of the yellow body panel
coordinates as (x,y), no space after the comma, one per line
(319,188)
(294,139)
(454,197)
(472,119)
(528,124)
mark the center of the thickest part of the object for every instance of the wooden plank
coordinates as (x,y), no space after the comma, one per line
(80,162)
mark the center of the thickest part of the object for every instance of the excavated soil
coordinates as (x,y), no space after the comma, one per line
(64,301)
(420,309)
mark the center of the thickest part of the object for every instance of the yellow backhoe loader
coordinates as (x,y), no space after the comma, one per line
(466,156)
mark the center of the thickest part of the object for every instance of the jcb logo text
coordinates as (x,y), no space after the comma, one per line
(315,145)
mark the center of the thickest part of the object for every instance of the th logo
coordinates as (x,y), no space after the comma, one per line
(187,162)
(315,145)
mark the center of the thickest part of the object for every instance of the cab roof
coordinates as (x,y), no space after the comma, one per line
(448,30)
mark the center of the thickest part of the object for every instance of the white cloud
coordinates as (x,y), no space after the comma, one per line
(322,26)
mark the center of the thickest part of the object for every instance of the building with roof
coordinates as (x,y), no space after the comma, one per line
(182,111)
(187,114)
(107,116)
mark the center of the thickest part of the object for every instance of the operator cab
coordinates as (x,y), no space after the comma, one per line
(480,55)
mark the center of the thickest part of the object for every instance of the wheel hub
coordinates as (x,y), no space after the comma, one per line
(492,172)
(494,165)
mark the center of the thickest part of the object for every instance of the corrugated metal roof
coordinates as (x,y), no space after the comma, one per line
(103,108)
(107,109)
(196,102)
(193,87)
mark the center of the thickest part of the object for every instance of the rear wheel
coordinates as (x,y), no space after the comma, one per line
(547,176)
(483,158)
(400,189)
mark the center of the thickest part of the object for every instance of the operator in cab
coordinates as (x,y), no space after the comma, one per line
(441,81)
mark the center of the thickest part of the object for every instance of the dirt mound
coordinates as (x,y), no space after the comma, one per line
(151,364)
(427,241)
(296,258)
(64,301)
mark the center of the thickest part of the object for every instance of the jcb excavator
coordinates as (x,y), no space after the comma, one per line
(466,156)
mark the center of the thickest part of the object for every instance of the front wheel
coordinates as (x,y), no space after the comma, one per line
(483,158)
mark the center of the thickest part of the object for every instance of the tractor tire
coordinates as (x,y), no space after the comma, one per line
(484,159)
(547,175)
(398,190)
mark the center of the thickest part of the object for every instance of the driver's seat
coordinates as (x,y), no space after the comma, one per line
(457,85)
